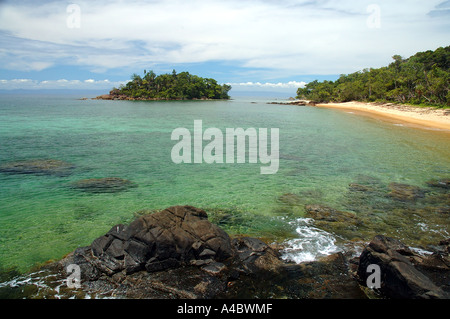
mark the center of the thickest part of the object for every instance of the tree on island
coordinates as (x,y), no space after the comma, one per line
(174,86)
(422,79)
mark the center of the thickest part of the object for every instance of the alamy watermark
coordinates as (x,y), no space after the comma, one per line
(373,281)
(374,19)
(235,146)
(74,278)
(73,20)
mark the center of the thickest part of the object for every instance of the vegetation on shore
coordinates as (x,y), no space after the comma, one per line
(422,79)
(174,86)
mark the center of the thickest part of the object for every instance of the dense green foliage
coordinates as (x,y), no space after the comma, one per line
(422,79)
(181,86)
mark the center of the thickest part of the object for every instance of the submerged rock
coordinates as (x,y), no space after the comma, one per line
(345,224)
(325,213)
(441,183)
(103,185)
(290,199)
(359,187)
(404,192)
(38,167)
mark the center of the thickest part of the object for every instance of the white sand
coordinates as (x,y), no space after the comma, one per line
(423,117)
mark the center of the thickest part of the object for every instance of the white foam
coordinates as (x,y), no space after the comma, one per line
(420,251)
(311,243)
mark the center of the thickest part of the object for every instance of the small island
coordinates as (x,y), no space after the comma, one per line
(175,86)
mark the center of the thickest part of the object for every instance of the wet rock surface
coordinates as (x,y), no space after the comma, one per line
(405,274)
(38,167)
(176,236)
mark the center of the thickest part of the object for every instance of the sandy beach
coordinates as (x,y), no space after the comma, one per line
(422,117)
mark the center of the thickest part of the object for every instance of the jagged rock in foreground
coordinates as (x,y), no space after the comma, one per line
(405,274)
(176,236)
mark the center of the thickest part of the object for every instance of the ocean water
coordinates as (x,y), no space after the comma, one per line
(322,151)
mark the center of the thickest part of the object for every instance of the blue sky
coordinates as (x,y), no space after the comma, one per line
(254,45)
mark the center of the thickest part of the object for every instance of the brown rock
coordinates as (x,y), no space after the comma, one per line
(404,192)
(399,278)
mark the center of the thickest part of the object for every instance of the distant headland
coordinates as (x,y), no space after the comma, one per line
(174,86)
(422,79)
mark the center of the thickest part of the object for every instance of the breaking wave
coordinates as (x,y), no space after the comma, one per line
(310,244)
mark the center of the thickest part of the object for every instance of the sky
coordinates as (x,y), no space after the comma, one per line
(253,45)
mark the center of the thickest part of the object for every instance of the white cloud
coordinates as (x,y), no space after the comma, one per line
(30,84)
(291,37)
(286,85)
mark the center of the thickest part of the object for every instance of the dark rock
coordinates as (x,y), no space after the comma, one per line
(255,255)
(399,277)
(155,242)
(436,266)
(214,268)
(38,167)
(103,185)
(327,278)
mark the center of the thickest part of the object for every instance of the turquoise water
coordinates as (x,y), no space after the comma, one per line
(321,152)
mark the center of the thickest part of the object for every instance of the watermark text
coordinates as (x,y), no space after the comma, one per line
(234,149)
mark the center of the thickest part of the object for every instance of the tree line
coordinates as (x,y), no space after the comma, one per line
(174,86)
(422,79)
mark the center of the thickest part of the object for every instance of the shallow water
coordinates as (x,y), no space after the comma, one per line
(322,151)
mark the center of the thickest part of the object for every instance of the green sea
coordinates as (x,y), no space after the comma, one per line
(322,152)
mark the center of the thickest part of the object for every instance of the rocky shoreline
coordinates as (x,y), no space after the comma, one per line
(123,97)
(178,253)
